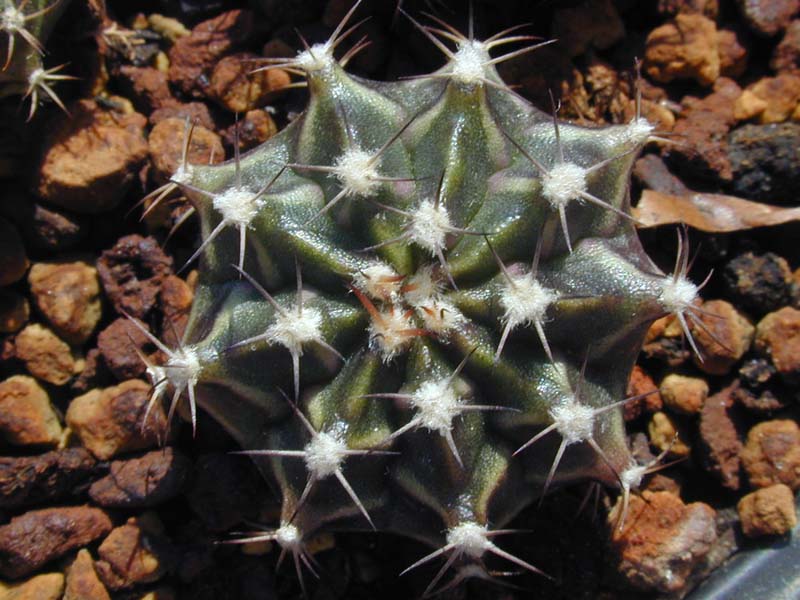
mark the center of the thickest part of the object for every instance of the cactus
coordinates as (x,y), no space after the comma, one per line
(419,304)
(26,26)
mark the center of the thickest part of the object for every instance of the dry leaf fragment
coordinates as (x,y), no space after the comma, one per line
(713,213)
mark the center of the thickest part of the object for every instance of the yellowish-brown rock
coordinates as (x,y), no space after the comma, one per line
(26,415)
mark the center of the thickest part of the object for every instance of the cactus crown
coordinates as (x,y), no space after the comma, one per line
(447,284)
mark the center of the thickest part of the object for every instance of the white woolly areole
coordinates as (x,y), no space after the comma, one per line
(677,294)
(437,405)
(440,316)
(573,420)
(324,455)
(468,64)
(638,131)
(292,329)
(12,19)
(631,477)
(470,539)
(526,301)
(633,134)
(357,171)
(379,281)
(317,58)
(390,333)
(183,174)
(37,77)
(288,536)
(422,287)
(183,368)
(565,182)
(429,226)
(237,205)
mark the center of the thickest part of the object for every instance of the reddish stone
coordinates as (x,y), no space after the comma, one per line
(703,128)
(118,344)
(772,454)
(146,480)
(686,48)
(28,480)
(641,383)
(166,143)
(91,158)
(68,295)
(35,538)
(193,57)
(147,88)
(768,17)
(719,439)
(662,540)
(132,272)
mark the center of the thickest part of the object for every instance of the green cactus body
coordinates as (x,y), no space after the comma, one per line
(439,275)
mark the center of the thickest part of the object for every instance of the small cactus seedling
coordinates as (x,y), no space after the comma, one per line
(419,305)
(26,26)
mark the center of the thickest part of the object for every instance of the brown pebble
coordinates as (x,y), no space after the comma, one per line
(148,88)
(48,586)
(53,230)
(682,394)
(761,402)
(664,342)
(683,49)
(109,421)
(703,125)
(748,106)
(722,334)
(768,511)
(29,480)
(91,158)
(120,344)
(13,260)
(719,443)
(196,112)
(786,56)
(780,94)
(255,128)
(45,356)
(166,147)
(192,57)
(772,454)
(133,554)
(666,434)
(641,383)
(238,88)
(132,272)
(26,415)
(68,295)
(759,283)
(732,54)
(35,538)
(82,580)
(768,17)
(14,311)
(95,374)
(176,302)
(662,540)
(778,337)
(146,480)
